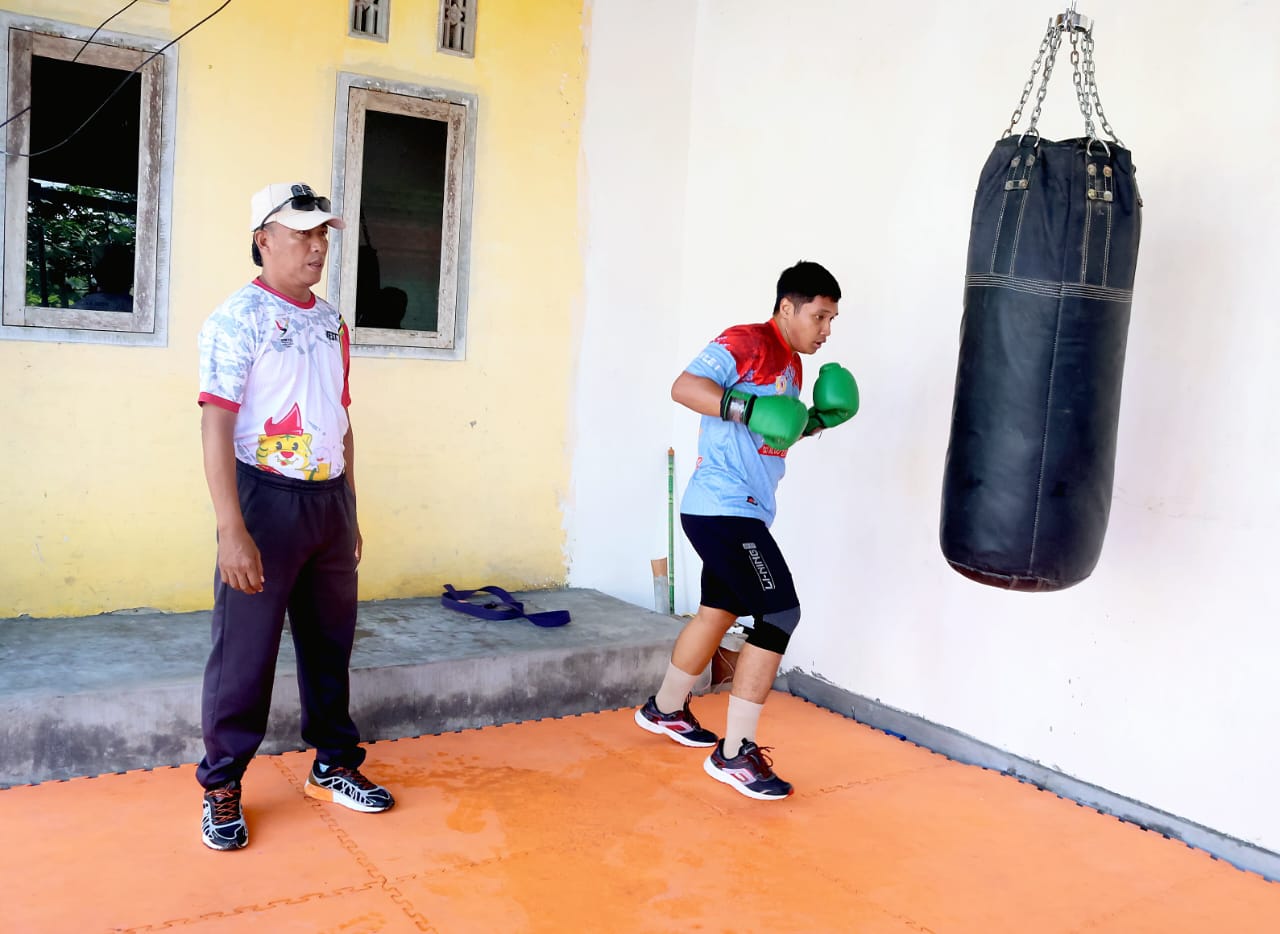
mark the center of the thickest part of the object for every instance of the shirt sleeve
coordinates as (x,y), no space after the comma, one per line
(228,346)
(716,363)
(344,341)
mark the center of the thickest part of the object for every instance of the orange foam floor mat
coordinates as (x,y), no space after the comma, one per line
(589,824)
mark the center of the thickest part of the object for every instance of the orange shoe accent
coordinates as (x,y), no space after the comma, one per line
(315,791)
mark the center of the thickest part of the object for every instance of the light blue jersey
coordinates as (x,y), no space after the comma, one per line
(737,473)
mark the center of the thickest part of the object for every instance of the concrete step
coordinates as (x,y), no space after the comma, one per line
(121,691)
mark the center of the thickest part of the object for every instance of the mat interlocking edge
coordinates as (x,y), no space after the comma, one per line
(591,824)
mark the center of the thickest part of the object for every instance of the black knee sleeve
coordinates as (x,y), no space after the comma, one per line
(773,631)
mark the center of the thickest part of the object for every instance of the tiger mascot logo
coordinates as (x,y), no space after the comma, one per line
(283,446)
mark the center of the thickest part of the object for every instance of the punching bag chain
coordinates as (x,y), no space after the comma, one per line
(1091,82)
(1052,38)
(1083,95)
(1083,77)
(1055,40)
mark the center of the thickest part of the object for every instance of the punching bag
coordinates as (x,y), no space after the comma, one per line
(1053,247)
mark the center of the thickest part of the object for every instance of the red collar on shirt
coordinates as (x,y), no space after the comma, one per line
(309,305)
(773,323)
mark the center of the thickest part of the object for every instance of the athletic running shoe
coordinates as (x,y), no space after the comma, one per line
(682,726)
(750,772)
(223,826)
(348,787)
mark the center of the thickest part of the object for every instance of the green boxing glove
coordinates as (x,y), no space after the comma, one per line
(780,420)
(835,398)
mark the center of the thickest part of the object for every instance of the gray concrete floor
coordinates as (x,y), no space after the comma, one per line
(121,691)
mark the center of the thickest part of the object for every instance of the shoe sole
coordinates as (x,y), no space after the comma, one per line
(646,724)
(320,793)
(738,786)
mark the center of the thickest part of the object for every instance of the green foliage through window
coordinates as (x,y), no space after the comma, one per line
(69,228)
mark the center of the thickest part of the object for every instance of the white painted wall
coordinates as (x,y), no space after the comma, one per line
(635,159)
(852,134)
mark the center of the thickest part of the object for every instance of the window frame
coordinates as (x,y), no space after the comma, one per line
(147,323)
(458,110)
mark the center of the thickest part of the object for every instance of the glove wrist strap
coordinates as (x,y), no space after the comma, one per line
(735,407)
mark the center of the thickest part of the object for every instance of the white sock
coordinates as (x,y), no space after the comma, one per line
(740,724)
(676,687)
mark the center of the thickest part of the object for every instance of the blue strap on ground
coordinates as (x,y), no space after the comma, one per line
(504,607)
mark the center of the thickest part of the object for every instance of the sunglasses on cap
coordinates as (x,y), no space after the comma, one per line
(301,198)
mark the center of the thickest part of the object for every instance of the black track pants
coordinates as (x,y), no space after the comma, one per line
(306,533)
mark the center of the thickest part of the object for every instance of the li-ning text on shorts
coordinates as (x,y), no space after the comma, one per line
(762,568)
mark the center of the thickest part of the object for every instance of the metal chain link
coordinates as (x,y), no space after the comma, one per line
(1092,79)
(1031,82)
(1082,92)
(1083,77)
(1055,40)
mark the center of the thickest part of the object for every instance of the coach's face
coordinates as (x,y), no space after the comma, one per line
(293,260)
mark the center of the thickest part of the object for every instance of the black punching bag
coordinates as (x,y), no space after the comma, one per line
(1053,246)
(1027,486)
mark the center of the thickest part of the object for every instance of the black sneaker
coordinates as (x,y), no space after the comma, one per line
(223,826)
(346,786)
(682,726)
(750,772)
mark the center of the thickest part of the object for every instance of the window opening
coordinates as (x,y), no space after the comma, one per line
(405,184)
(82,200)
(369,18)
(458,27)
(401,222)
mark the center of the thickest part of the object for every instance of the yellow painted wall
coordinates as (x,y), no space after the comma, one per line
(462,466)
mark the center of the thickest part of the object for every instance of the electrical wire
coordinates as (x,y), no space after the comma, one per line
(80,51)
(123,9)
(120,87)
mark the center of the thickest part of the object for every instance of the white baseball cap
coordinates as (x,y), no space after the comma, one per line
(293,204)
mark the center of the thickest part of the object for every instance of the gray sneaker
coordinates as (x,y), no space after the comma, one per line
(346,786)
(222,827)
